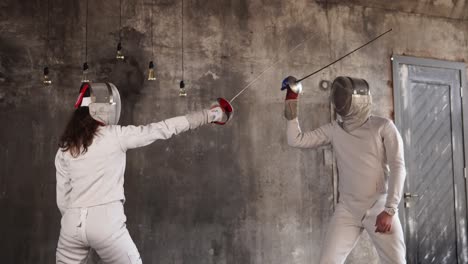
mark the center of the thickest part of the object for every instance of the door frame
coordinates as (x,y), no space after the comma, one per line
(397,60)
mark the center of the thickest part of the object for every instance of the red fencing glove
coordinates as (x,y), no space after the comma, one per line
(293,88)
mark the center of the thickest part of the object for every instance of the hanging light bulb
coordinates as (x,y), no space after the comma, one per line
(46,80)
(119,55)
(84,78)
(151,75)
(182,92)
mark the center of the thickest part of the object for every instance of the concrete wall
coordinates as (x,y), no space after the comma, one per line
(233,194)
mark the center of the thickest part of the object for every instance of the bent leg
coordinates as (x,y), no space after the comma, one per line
(342,235)
(108,235)
(119,249)
(390,246)
(70,250)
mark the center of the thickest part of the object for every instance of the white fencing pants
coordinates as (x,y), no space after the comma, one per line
(345,229)
(98,229)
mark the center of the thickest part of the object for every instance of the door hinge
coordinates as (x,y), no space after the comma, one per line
(461,91)
(464,172)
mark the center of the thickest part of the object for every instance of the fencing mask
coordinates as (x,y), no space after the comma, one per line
(352,101)
(103,100)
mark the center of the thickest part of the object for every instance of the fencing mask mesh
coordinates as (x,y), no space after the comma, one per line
(103,100)
(352,101)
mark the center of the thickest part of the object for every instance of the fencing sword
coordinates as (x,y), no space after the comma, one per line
(295,84)
(268,68)
(226,105)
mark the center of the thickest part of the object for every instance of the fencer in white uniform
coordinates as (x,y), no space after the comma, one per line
(371,168)
(90,182)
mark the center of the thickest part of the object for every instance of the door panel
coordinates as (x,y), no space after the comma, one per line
(432,166)
(429,116)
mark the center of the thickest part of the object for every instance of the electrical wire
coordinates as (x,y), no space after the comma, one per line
(151,21)
(48,34)
(182,39)
(86,33)
(120,21)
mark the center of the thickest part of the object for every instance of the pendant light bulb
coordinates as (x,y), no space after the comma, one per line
(46,80)
(84,78)
(119,55)
(151,75)
(182,91)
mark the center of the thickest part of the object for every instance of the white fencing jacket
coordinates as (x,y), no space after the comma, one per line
(97,176)
(370,160)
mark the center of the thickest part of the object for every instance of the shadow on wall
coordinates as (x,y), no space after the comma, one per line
(13,61)
(127,75)
(129,79)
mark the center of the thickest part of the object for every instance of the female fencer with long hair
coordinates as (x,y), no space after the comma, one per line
(90,165)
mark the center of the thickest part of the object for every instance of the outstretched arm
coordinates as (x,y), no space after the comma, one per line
(139,136)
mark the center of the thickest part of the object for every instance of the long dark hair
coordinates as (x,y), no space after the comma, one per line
(79,132)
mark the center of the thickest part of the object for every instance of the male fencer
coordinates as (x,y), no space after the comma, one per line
(371,169)
(90,166)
